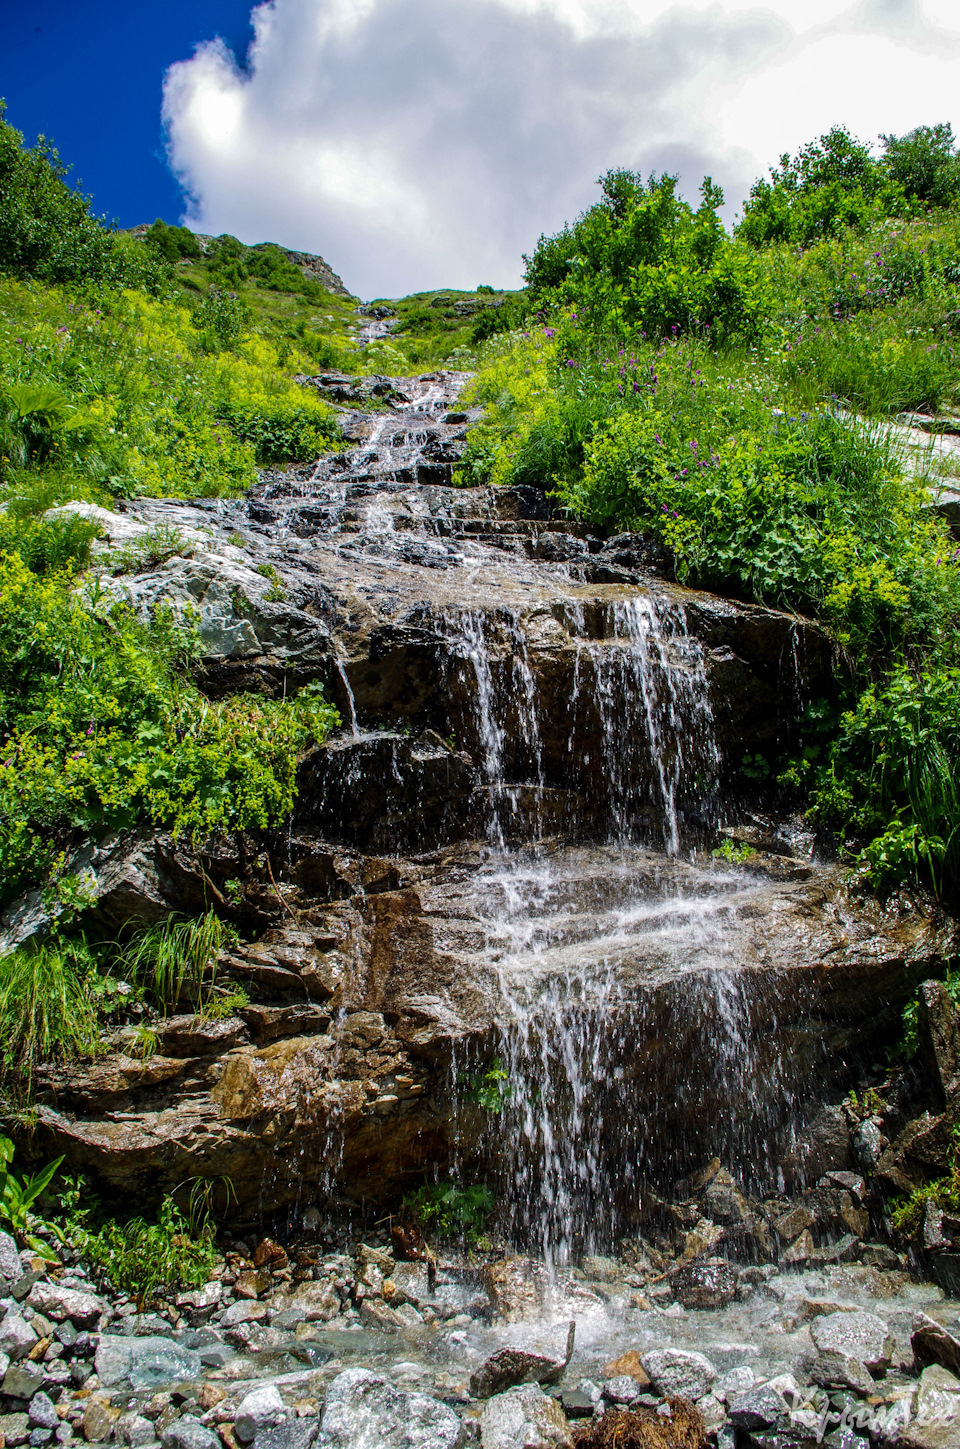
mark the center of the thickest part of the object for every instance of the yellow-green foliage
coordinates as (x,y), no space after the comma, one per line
(101,727)
(152,412)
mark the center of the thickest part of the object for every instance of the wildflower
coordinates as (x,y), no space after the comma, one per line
(90,728)
(664,508)
(676,515)
(549,331)
(656,437)
(570,362)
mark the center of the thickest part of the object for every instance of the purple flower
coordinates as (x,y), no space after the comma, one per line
(664,508)
(570,362)
(549,331)
(656,437)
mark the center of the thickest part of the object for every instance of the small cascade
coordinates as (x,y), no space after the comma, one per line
(647,681)
(595,957)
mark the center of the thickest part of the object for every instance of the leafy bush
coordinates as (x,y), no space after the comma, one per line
(100,729)
(18,1196)
(447,1210)
(147,1259)
(46,230)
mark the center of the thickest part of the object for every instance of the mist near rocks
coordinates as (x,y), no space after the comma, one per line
(416,144)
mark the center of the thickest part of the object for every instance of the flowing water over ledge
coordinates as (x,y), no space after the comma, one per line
(495,857)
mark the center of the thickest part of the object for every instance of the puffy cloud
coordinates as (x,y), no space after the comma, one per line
(418,143)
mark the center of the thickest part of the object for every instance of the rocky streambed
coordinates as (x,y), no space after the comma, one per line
(493,945)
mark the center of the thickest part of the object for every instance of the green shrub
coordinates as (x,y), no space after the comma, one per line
(100,729)
(46,230)
(147,1259)
(446,1210)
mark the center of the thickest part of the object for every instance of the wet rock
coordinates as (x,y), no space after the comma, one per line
(516,1287)
(524,1415)
(938,1038)
(627,1363)
(801,1251)
(705,1285)
(376,1314)
(189,1433)
(293,1434)
(99,1418)
(510,1366)
(725,1203)
(934,1344)
(868,1145)
(143,1363)
(246,1312)
(860,1335)
(364,1411)
(17,1338)
(791,1224)
(675,1371)
(57,1302)
(824,1147)
(262,1408)
(832,1368)
(938,1396)
(311,1302)
(758,1408)
(622,1389)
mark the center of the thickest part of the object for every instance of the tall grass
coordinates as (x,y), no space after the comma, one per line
(47,1012)
(177,957)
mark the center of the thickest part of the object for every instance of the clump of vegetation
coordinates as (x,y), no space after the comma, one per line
(450,1211)
(18,1196)
(646,1429)
(729,396)
(908,1217)
(145,1259)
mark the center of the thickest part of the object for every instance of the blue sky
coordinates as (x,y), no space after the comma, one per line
(89,74)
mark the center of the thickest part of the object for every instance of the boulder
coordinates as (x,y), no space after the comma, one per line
(364,1411)
(143,1363)
(938,1397)
(934,1344)
(938,1038)
(510,1366)
(758,1408)
(311,1302)
(860,1335)
(261,1408)
(43,1412)
(674,1371)
(56,1302)
(824,1147)
(832,1368)
(622,1389)
(628,1363)
(524,1416)
(705,1285)
(189,1433)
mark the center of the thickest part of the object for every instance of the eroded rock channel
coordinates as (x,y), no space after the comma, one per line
(503,857)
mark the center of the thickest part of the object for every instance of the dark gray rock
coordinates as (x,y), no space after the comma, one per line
(189,1433)
(759,1408)
(293,1434)
(43,1413)
(509,1366)
(938,1038)
(934,1344)
(705,1285)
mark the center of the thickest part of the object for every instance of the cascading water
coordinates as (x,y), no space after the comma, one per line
(587,715)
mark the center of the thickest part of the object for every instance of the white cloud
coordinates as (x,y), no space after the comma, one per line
(419,143)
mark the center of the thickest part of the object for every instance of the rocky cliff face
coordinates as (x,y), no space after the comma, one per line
(486,861)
